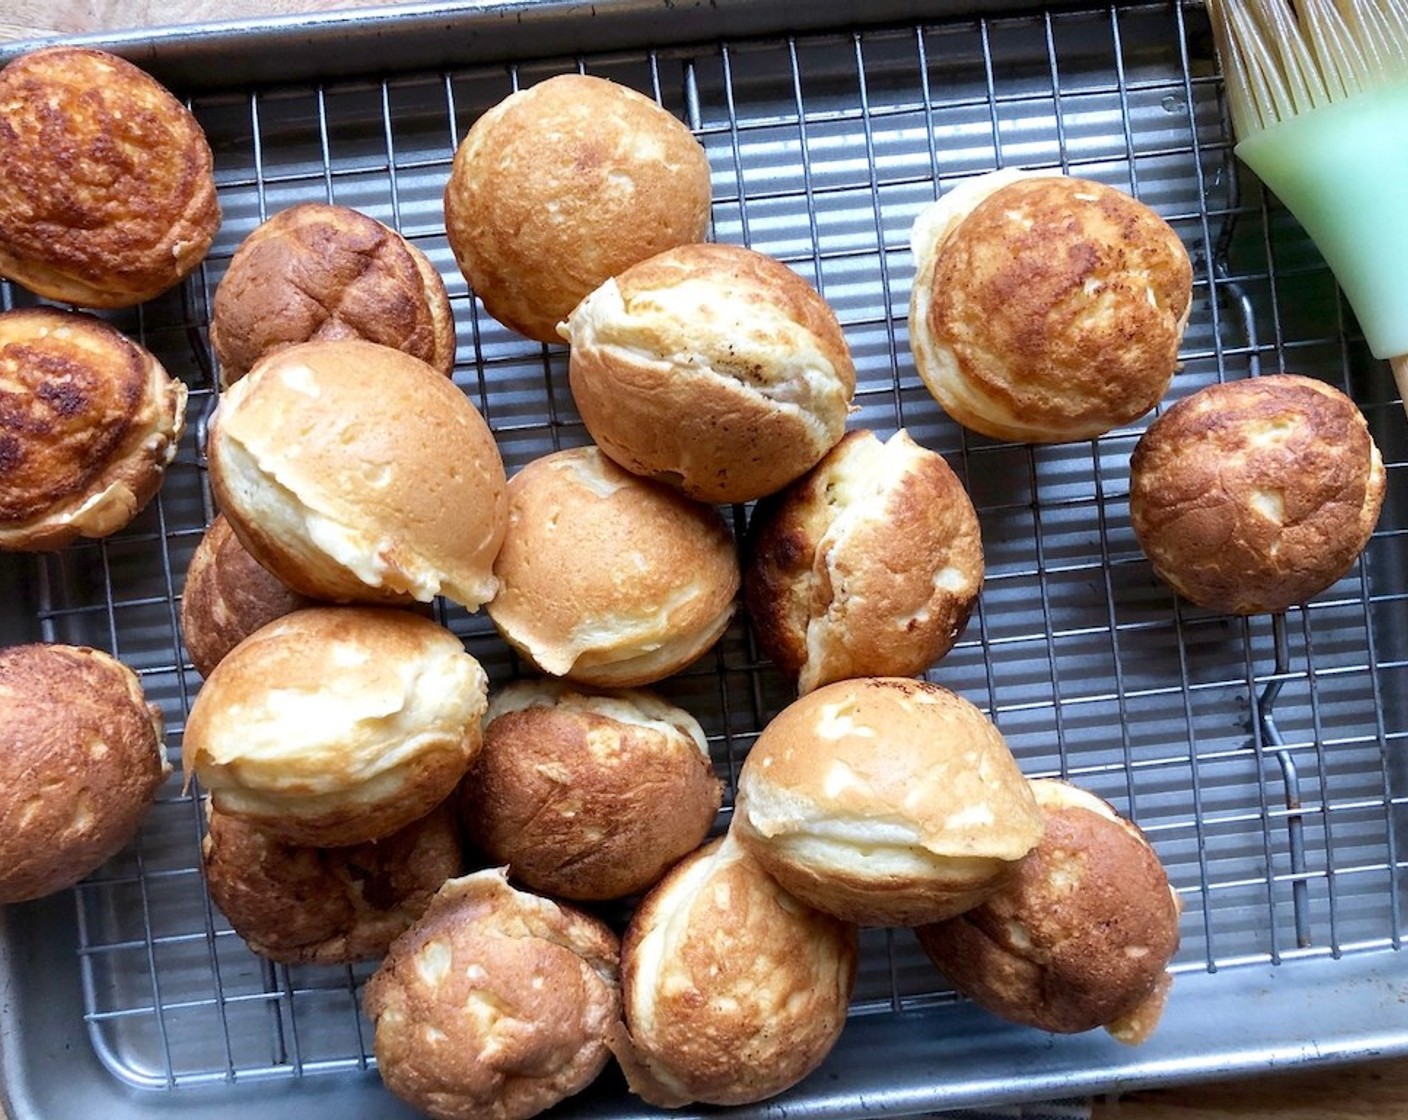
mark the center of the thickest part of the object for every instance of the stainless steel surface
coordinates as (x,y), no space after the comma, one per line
(1261,756)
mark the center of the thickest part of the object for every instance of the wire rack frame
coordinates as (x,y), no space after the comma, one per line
(1277,815)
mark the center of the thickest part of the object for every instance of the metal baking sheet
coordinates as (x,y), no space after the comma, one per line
(1263,757)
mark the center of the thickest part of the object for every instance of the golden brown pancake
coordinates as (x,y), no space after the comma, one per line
(588,795)
(107,196)
(564,184)
(1252,496)
(713,369)
(316,271)
(868,565)
(1079,937)
(89,422)
(1046,308)
(885,801)
(732,990)
(83,759)
(495,1005)
(609,578)
(337,725)
(296,904)
(356,472)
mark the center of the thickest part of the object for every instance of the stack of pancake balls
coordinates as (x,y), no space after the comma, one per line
(347,747)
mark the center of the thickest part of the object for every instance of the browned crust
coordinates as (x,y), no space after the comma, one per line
(1198,472)
(107,196)
(572,556)
(444,344)
(716,441)
(82,409)
(537,209)
(779,560)
(750,998)
(583,806)
(82,763)
(317,271)
(885,614)
(513,1022)
(1080,936)
(227,597)
(1009,301)
(327,905)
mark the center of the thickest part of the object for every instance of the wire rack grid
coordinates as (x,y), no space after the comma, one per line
(1259,755)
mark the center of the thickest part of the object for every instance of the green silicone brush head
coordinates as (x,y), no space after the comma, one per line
(1280,62)
(1319,100)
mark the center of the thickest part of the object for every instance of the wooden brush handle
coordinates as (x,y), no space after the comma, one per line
(1400,375)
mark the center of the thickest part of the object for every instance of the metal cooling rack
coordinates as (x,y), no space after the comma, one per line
(1259,755)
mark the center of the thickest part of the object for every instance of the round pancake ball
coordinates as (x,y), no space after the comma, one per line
(588,794)
(107,193)
(608,578)
(81,759)
(1045,308)
(299,904)
(320,271)
(333,726)
(1251,496)
(89,422)
(1079,937)
(733,991)
(495,1005)
(885,801)
(355,472)
(564,184)
(712,368)
(869,565)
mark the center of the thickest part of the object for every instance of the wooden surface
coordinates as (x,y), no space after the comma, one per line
(29,19)
(1355,1092)
(1376,1089)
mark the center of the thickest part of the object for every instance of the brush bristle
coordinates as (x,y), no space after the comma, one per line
(1279,62)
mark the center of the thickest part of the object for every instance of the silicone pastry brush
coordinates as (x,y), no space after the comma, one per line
(1319,101)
